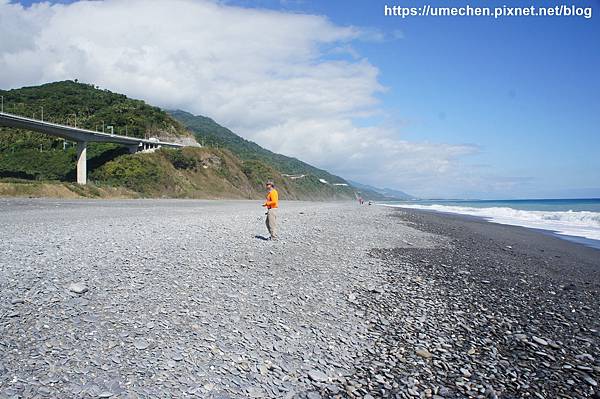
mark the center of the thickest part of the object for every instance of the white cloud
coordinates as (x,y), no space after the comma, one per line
(291,82)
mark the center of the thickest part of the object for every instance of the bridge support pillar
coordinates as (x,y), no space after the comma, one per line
(81,162)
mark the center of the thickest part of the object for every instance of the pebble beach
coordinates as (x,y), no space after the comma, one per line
(181,298)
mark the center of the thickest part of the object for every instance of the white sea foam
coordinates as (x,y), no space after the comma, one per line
(574,223)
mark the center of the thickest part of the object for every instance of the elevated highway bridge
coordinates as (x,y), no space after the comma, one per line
(81,137)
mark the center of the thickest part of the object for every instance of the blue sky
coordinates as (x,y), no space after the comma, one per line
(523,92)
(526,91)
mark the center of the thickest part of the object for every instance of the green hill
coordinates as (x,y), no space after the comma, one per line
(86,106)
(205,172)
(211,133)
(228,167)
(31,155)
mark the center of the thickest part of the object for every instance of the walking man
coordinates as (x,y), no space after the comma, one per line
(272,203)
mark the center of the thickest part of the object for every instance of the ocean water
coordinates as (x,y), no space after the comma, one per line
(575,219)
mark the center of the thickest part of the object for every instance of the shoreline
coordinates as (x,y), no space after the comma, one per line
(588,242)
(534,240)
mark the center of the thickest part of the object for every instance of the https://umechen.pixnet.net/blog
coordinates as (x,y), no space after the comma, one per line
(497,12)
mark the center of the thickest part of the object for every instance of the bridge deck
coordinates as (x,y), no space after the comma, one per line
(76,134)
(81,136)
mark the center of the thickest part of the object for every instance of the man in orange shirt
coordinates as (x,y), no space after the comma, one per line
(272,203)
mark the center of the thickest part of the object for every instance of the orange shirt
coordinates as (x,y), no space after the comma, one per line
(272,199)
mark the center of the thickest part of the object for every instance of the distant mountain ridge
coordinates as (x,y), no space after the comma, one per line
(384,193)
(210,133)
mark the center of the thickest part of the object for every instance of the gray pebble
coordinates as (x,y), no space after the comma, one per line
(140,343)
(317,375)
(78,288)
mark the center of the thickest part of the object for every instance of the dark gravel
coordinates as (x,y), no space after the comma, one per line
(496,312)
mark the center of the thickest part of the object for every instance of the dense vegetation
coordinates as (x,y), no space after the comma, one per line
(229,167)
(30,155)
(88,107)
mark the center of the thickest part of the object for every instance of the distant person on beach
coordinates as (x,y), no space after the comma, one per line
(272,203)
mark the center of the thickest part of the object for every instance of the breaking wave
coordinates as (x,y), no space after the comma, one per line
(573,223)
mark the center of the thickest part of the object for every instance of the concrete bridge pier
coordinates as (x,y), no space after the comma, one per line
(81,136)
(81,162)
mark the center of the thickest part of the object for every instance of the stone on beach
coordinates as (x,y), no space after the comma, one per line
(78,288)
(158,308)
(141,343)
(590,380)
(424,353)
(341,307)
(317,375)
(444,302)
